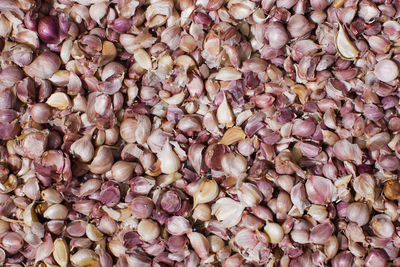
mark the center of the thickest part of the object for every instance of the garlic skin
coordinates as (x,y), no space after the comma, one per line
(170,162)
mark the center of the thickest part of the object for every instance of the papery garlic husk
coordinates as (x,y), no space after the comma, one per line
(85,258)
(224,113)
(83,149)
(206,192)
(228,211)
(232,135)
(344,46)
(274,232)
(61,252)
(170,162)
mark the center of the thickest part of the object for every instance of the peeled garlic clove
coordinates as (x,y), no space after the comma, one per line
(232,135)
(59,100)
(202,212)
(344,46)
(83,149)
(274,232)
(85,258)
(143,59)
(56,212)
(228,74)
(386,70)
(93,233)
(61,252)
(200,244)
(206,192)
(170,162)
(249,195)
(148,230)
(224,113)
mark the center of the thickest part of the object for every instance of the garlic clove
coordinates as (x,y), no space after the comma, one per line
(344,46)
(206,192)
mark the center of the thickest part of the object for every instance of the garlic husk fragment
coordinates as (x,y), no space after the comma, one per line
(344,46)
(228,211)
(170,162)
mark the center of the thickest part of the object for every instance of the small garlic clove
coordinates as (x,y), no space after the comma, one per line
(344,46)
(93,233)
(249,194)
(61,252)
(56,212)
(83,149)
(148,230)
(143,59)
(170,162)
(202,212)
(232,135)
(59,100)
(228,74)
(200,244)
(85,258)
(321,233)
(206,192)
(274,231)
(386,70)
(177,225)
